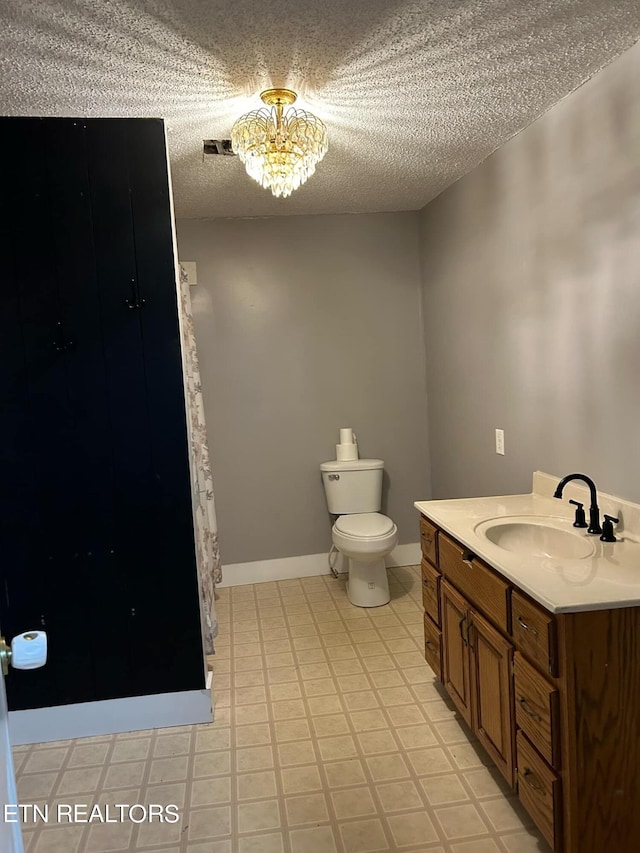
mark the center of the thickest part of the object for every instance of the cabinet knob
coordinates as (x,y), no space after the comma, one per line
(526,627)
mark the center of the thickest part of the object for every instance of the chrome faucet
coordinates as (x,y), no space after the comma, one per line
(594,512)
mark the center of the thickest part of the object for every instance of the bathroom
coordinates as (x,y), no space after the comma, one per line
(511,301)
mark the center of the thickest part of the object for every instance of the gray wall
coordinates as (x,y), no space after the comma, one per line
(305,325)
(531,284)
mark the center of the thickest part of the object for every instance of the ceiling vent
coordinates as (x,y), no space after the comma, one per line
(217,147)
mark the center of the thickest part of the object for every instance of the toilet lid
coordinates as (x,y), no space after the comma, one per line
(368,524)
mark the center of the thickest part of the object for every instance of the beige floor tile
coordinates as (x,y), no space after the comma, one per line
(80,781)
(249,678)
(416,737)
(318,839)
(468,755)
(337,653)
(212,763)
(280,692)
(361,701)
(396,796)
(296,752)
(311,808)
(277,660)
(208,792)
(319,705)
(259,815)
(460,821)
(375,742)
(363,721)
(363,836)
(42,760)
(334,748)
(427,762)
(288,710)
(348,666)
(444,789)
(395,696)
(319,687)
(486,782)
(524,842)
(480,845)
(209,823)
(330,724)
(387,767)
(342,773)
(379,664)
(254,758)
(354,802)
(35,786)
(271,843)
(254,735)
(136,749)
(64,839)
(162,769)
(246,664)
(292,730)
(504,814)
(213,738)
(385,677)
(84,755)
(299,779)
(249,695)
(412,829)
(252,786)
(106,837)
(249,714)
(130,774)
(306,656)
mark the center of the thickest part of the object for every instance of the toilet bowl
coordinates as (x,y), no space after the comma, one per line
(366,539)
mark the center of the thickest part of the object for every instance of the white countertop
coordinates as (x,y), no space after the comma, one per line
(608,577)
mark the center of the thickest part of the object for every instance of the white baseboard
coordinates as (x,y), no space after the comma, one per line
(308,565)
(88,719)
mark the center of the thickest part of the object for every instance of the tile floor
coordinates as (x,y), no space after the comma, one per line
(331,736)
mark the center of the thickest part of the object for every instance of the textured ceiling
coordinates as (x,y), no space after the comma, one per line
(414,94)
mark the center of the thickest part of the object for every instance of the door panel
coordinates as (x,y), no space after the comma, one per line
(491,661)
(95,497)
(455,650)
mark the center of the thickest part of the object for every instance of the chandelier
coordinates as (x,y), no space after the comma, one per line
(280,150)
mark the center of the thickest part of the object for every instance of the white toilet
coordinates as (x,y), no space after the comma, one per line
(361,533)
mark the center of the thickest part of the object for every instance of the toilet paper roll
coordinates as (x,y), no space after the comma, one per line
(346,452)
(347,436)
(29,650)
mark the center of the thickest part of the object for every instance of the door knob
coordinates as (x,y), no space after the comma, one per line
(27,651)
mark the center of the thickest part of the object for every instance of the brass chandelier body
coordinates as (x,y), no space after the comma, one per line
(280,149)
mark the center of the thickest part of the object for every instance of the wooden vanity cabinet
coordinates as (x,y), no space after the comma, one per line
(476,672)
(553,698)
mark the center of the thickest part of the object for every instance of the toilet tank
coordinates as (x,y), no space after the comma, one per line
(352,487)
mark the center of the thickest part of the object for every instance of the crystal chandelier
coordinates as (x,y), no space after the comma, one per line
(280,150)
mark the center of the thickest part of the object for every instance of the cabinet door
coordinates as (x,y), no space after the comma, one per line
(455,649)
(492,687)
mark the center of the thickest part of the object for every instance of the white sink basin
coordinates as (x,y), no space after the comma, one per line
(536,537)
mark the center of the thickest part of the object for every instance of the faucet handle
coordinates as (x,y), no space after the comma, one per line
(607,528)
(580,519)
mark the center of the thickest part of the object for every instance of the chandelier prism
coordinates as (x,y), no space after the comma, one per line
(280,149)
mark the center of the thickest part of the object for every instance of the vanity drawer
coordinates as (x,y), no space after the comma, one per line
(534,633)
(433,646)
(539,790)
(482,587)
(431,591)
(428,540)
(537,709)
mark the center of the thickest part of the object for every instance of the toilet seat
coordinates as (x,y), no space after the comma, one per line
(364,525)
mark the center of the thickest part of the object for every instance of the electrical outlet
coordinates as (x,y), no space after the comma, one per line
(500,441)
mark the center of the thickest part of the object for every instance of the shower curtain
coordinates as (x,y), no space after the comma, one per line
(204,510)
